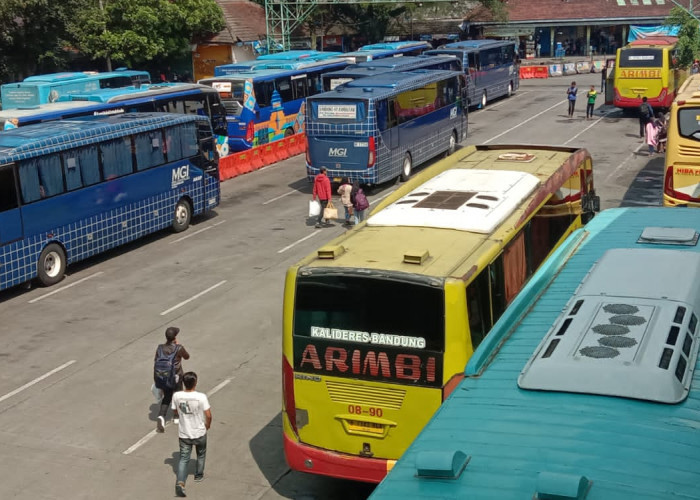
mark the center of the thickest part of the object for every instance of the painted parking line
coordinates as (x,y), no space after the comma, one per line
(36,380)
(523,122)
(586,129)
(66,287)
(150,435)
(189,235)
(279,197)
(194,297)
(506,100)
(292,245)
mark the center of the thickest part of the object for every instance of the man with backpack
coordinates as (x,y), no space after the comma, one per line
(646,113)
(167,371)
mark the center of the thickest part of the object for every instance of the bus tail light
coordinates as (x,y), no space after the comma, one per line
(372,152)
(250,131)
(451,385)
(288,394)
(668,186)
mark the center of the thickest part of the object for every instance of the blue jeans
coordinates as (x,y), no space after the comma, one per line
(200,445)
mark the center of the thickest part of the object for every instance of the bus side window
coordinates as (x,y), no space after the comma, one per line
(284,88)
(263,93)
(8,189)
(392,119)
(381,114)
(479,308)
(299,86)
(41,177)
(116,158)
(497,289)
(473,62)
(314,83)
(196,105)
(148,150)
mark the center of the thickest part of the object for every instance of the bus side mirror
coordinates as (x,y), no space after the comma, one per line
(590,203)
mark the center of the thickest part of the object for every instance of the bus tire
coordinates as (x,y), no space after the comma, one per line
(406,167)
(510,89)
(452,147)
(482,104)
(182,216)
(51,265)
(289,131)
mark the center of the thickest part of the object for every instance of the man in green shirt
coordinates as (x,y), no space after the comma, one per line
(592,94)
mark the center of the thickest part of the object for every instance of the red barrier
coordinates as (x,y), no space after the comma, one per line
(246,161)
(256,159)
(292,145)
(541,72)
(527,72)
(243,162)
(282,149)
(227,168)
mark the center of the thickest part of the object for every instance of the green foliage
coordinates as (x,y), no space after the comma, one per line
(688,46)
(135,31)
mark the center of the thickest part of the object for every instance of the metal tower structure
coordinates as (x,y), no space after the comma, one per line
(282,17)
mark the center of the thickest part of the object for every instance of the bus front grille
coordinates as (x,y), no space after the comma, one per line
(689,150)
(351,393)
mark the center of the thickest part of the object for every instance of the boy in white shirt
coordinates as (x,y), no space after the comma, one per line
(194,412)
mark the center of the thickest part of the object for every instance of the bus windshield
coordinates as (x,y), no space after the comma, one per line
(382,314)
(338,111)
(641,58)
(231,92)
(689,123)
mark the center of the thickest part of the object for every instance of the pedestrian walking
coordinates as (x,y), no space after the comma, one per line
(167,371)
(571,96)
(359,202)
(661,132)
(193,409)
(592,94)
(651,136)
(695,68)
(345,190)
(646,113)
(322,189)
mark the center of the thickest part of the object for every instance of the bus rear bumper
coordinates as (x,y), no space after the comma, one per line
(664,100)
(306,458)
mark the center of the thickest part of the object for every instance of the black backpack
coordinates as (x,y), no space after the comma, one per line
(164,374)
(646,110)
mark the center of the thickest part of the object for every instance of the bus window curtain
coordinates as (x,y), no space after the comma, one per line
(188,139)
(29,180)
(539,239)
(149,150)
(71,169)
(173,143)
(50,175)
(89,165)
(515,266)
(116,158)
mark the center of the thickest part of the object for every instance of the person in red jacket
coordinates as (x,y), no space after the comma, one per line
(322,189)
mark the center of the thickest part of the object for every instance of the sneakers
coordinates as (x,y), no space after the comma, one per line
(160,424)
(318,226)
(198,479)
(180,490)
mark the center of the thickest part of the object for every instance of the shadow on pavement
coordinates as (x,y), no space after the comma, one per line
(647,187)
(267,451)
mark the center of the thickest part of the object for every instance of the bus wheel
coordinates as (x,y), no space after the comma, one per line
(483,100)
(406,168)
(510,89)
(52,264)
(289,131)
(453,144)
(183,215)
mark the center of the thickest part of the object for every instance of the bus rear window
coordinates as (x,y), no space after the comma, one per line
(641,58)
(231,93)
(689,123)
(338,111)
(392,325)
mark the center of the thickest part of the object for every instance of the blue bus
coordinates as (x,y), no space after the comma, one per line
(263,61)
(377,128)
(74,188)
(387,49)
(490,66)
(163,97)
(588,386)
(42,89)
(406,63)
(264,105)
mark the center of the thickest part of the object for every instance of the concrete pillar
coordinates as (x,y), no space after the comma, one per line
(624,35)
(552,32)
(587,52)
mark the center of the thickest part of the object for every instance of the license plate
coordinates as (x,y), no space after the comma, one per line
(357,425)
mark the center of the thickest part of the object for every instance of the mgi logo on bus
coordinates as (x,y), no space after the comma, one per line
(337,152)
(180,175)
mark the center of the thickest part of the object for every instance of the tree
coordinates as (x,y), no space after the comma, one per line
(135,31)
(688,45)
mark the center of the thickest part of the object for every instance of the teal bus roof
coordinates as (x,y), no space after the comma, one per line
(78,75)
(492,439)
(116,94)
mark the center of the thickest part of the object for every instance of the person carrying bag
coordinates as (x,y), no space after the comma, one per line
(322,190)
(330,212)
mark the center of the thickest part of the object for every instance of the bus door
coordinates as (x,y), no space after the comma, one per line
(474,81)
(608,80)
(389,129)
(10,215)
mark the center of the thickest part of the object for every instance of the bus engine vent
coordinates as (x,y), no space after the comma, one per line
(669,236)
(628,331)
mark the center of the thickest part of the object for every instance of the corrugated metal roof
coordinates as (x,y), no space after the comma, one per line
(520,441)
(245,22)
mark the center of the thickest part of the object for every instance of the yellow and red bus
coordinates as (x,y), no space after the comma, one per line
(644,68)
(682,164)
(379,323)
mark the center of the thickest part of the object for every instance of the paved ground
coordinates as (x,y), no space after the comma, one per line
(76,413)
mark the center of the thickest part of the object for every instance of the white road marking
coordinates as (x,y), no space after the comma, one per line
(150,435)
(629,157)
(36,380)
(506,100)
(280,197)
(585,129)
(299,241)
(189,235)
(66,287)
(194,297)
(524,122)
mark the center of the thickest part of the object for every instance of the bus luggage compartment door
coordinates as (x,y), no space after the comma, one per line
(339,153)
